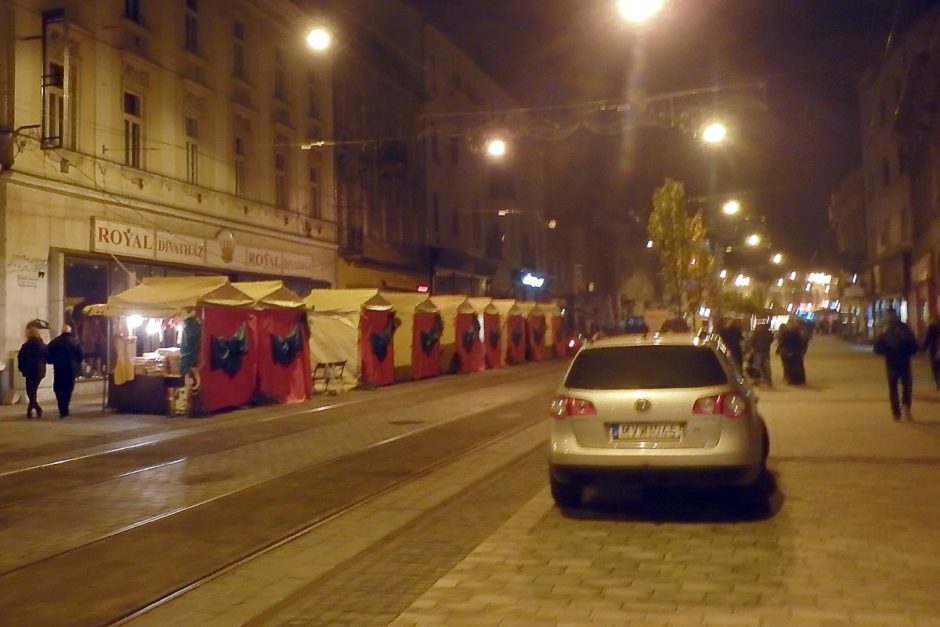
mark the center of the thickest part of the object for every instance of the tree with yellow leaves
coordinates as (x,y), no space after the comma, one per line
(679,239)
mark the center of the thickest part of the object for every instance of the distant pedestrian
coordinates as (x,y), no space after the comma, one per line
(932,347)
(897,344)
(65,355)
(733,338)
(31,361)
(791,345)
(760,342)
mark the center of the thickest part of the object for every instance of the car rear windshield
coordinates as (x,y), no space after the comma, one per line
(645,367)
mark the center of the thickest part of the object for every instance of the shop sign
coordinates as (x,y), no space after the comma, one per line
(298,265)
(263,260)
(531,280)
(124,239)
(180,248)
(221,252)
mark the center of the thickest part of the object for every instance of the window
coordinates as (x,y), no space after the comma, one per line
(240,179)
(191,42)
(280,177)
(646,368)
(133,122)
(314,187)
(192,151)
(238,51)
(435,148)
(312,109)
(477,224)
(54,117)
(279,86)
(132,10)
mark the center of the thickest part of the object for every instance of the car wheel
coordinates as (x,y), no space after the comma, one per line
(565,494)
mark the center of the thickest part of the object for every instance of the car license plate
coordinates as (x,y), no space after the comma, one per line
(647,431)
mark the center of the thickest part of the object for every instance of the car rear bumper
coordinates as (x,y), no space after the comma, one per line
(691,476)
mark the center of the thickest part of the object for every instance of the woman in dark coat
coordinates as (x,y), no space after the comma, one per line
(31,361)
(792,347)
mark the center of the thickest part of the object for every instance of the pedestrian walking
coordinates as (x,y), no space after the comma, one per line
(65,355)
(932,347)
(791,346)
(732,337)
(31,361)
(897,344)
(760,342)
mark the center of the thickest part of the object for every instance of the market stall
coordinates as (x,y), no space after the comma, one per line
(448,306)
(534,330)
(512,326)
(469,341)
(555,336)
(283,341)
(354,328)
(417,336)
(491,335)
(158,330)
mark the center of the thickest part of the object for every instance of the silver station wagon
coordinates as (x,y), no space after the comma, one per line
(668,409)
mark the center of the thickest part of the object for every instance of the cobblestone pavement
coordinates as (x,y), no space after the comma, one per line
(851,538)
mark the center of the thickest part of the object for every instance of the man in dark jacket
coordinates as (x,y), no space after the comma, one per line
(760,341)
(31,361)
(792,348)
(732,337)
(65,355)
(897,344)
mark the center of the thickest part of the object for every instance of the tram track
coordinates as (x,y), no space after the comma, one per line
(185,547)
(55,476)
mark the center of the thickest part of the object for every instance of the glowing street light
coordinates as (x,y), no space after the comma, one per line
(319,39)
(714,133)
(496,148)
(753,240)
(649,243)
(777,259)
(639,11)
(731,208)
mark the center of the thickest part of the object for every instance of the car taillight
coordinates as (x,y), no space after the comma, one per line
(566,406)
(730,404)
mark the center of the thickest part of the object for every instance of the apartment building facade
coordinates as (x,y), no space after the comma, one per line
(142,138)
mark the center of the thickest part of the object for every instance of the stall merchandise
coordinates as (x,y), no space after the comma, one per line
(418,329)
(353,327)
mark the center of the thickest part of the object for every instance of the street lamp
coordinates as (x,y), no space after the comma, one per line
(319,39)
(639,11)
(496,148)
(777,259)
(753,240)
(731,208)
(714,133)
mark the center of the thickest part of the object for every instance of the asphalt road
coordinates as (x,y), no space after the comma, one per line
(427,504)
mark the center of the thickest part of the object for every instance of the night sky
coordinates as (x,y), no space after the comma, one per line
(785,159)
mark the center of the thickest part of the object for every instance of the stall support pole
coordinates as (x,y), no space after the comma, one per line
(107,370)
